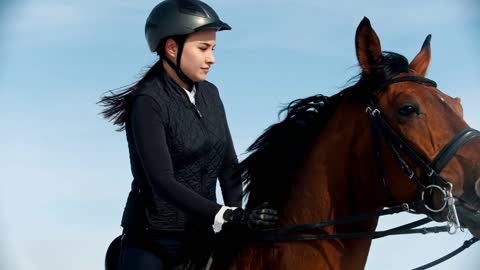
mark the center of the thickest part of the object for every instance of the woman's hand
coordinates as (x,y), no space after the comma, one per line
(257,218)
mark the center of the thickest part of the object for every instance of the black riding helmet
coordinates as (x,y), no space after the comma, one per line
(179,18)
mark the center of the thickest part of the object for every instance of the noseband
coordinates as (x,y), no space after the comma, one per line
(433,181)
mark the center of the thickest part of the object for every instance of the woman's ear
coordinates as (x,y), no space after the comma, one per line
(171,48)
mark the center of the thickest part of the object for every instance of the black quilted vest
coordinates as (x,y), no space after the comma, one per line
(197,146)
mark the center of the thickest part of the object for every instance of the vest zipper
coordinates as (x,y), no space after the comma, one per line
(195,108)
(199,114)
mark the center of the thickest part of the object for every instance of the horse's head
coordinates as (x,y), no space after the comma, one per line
(428,122)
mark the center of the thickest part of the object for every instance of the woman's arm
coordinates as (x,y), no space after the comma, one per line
(230,180)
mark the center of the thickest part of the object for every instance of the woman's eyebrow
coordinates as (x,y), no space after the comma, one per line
(207,44)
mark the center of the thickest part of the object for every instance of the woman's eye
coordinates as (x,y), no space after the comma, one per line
(408,110)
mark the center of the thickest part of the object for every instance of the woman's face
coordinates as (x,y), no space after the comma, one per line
(197,56)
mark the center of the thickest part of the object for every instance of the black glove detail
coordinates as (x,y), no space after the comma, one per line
(256,218)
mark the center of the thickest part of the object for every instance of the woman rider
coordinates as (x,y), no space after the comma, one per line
(179,144)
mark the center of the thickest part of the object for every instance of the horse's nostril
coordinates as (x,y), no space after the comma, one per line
(477,187)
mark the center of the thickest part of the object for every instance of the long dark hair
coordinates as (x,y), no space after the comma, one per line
(117,102)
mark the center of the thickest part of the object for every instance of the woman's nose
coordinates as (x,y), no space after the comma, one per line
(211,58)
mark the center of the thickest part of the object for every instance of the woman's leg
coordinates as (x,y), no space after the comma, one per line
(144,252)
(135,255)
(139,259)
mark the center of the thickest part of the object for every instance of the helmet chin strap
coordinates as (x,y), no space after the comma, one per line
(176,68)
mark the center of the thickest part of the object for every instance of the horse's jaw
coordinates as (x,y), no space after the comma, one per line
(470,219)
(469,209)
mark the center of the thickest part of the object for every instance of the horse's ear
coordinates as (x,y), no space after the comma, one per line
(420,63)
(368,47)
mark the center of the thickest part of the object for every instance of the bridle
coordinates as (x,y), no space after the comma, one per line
(432,171)
(433,182)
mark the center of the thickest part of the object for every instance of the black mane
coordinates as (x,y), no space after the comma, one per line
(269,171)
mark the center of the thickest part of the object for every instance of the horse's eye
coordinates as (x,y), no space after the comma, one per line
(408,110)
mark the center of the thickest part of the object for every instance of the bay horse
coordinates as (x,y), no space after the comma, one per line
(389,140)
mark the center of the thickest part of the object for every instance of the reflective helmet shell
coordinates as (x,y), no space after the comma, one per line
(180,17)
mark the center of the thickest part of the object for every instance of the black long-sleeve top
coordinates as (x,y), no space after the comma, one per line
(177,152)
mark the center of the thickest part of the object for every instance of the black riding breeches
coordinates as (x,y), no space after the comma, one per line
(144,252)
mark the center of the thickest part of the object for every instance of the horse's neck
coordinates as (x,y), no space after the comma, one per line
(330,186)
(336,178)
(332,183)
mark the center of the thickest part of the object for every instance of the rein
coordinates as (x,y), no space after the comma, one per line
(381,129)
(284,233)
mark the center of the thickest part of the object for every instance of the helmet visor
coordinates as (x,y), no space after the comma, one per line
(218,26)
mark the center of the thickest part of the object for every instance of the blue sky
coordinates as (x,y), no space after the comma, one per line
(65,172)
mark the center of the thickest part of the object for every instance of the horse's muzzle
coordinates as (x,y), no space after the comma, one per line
(477,187)
(470,219)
